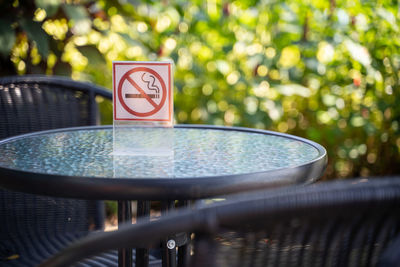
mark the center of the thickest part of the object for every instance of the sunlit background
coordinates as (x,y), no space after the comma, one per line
(324,70)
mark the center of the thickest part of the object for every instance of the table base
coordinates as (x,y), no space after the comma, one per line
(173,248)
(124,215)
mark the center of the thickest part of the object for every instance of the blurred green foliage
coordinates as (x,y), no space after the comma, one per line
(324,70)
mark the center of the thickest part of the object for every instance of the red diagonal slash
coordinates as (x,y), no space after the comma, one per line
(154,104)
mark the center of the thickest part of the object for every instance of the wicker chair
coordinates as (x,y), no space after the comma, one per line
(33,228)
(34,103)
(346,223)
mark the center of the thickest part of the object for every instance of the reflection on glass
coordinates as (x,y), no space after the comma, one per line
(148,141)
(143,166)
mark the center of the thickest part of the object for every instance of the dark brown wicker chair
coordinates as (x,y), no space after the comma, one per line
(346,223)
(34,227)
(33,103)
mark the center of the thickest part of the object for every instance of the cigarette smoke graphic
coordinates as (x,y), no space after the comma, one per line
(152,86)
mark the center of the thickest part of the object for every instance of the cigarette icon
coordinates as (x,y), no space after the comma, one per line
(141,96)
(150,83)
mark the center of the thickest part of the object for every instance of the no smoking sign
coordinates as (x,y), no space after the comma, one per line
(143,91)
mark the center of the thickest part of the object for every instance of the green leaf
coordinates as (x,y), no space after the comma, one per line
(293,89)
(7,37)
(76,12)
(62,69)
(129,40)
(389,17)
(92,54)
(79,18)
(37,34)
(50,6)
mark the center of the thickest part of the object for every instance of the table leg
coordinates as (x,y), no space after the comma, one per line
(183,256)
(184,251)
(168,246)
(143,214)
(124,215)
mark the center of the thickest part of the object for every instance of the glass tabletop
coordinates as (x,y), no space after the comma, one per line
(197,152)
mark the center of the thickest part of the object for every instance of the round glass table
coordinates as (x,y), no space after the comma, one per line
(206,161)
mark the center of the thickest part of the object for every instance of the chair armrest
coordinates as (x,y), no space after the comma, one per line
(140,235)
(391,255)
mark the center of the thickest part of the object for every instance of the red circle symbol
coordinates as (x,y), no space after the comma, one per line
(157,107)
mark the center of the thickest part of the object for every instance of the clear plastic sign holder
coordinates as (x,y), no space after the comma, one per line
(131,140)
(143,114)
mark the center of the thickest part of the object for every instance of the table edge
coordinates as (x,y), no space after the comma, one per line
(161,188)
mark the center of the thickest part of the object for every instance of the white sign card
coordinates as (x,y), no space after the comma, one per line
(143,92)
(142,98)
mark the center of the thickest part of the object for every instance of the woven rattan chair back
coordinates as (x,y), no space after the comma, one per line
(34,103)
(346,223)
(35,227)
(335,224)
